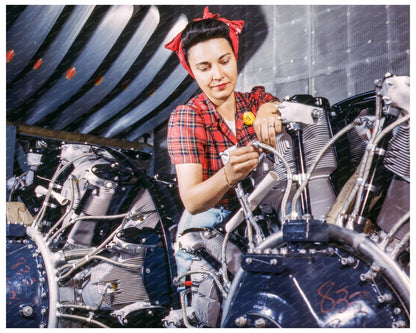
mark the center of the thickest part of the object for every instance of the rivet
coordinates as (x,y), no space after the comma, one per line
(26,311)
(241,321)
(260,323)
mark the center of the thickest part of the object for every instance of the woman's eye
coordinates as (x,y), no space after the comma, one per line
(203,68)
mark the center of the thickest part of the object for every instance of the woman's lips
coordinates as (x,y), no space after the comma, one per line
(221,86)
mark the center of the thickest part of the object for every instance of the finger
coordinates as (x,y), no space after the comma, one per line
(238,159)
(241,156)
(272,135)
(261,129)
(245,150)
(266,130)
(277,130)
(278,125)
(241,170)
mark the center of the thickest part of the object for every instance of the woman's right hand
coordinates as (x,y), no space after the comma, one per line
(241,162)
(198,195)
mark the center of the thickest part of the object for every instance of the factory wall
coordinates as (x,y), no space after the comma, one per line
(332,51)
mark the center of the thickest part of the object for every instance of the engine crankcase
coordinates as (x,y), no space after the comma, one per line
(312,285)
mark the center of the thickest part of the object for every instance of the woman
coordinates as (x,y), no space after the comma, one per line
(213,122)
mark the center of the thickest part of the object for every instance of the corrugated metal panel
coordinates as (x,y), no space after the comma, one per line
(34,79)
(27,34)
(89,59)
(114,74)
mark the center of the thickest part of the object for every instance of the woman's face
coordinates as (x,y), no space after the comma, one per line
(215,69)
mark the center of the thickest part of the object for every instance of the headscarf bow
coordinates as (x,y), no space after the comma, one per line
(235,29)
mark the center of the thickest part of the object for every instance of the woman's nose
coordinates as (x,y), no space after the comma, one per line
(217,73)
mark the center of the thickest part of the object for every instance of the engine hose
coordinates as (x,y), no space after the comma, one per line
(394,229)
(220,287)
(57,173)
(224,260)
(289,175)
(364,171)
(83,319)
(254,199)
(389,128)
(18,180)
(329,144)
(248,214)
(86,218)
(400,246)
(371,152)
(68,210)
(88,257)
(183,306)
(364,164)
(116,263)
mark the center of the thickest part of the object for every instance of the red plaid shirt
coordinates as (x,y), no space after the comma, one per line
(198,134)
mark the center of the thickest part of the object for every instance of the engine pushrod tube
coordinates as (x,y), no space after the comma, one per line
(365,164)
(370,157)
(289,175)
(254,199)
(304,200)
(317,159)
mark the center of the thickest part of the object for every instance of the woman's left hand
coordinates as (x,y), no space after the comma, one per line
(267,123)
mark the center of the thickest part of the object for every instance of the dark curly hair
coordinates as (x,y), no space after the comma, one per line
(203,30)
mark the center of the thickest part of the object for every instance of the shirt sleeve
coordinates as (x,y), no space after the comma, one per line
(258,96)
(186,137)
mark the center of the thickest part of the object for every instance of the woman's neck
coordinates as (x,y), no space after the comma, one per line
(227,109)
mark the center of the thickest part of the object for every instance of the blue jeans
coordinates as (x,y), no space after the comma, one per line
(205,219)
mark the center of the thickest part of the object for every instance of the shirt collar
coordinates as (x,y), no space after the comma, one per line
(210,114)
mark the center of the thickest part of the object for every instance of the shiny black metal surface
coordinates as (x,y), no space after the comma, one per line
(323,283)
(26,285)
